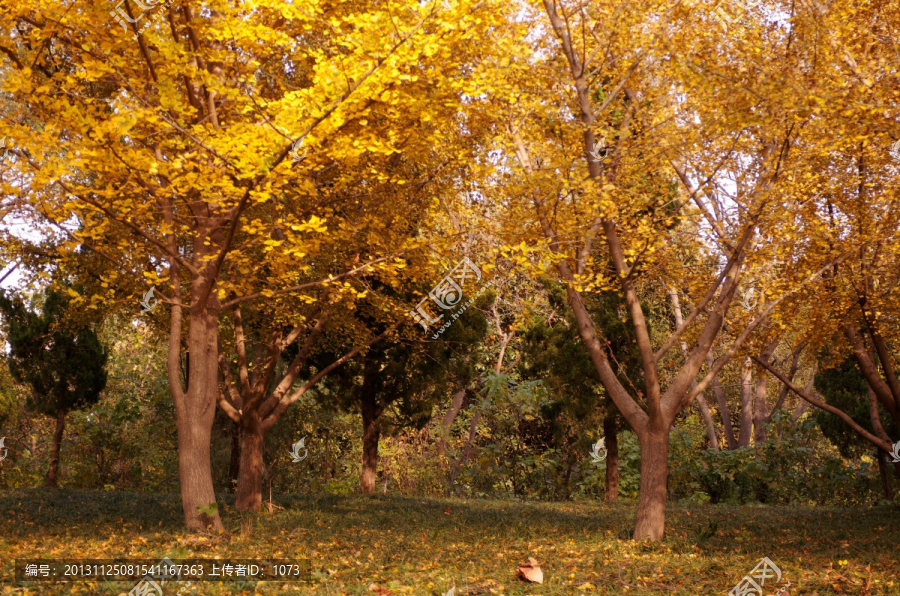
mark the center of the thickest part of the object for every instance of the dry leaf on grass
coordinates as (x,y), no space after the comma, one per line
(377,590)
(530,571)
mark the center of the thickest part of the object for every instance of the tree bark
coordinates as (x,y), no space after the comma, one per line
(802,404)
(746,404)
(234,463)
(195,411)
(252,467)
(612,457)
(456,403)
(724,411)
(52,473)
(651,512)
(885,474)
(371,435)
(760,410)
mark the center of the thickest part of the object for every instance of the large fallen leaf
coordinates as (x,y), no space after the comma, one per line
(530,571)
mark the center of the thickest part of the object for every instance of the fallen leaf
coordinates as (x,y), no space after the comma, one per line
(447,511)
(530,571)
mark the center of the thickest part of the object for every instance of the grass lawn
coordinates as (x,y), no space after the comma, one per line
(425,546)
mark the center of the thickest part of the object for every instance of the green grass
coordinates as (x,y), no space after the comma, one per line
(410,546)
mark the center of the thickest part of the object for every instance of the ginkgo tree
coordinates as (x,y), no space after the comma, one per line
(179,141)
(852,312)
(675,123)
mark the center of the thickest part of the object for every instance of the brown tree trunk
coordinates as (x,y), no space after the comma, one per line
(195,411)
(371,435)
(612,457)
(50,481)
(724,411)
(456,403)
(235,461)
(651,512)
(802,404)
(885,474)
(760,410)
(328,471)
(252,468)
(746,404)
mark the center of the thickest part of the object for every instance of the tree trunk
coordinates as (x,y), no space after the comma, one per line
(456,403)
(724,411)
(50,481)
(567,476)
(235,461)
(328,471)
(759,409)
(194,413)
(252,468)
(885,474)
(371,435)
(802,404)
(746,403)
(760,413)
(707,418)
(612,457)
(651,512)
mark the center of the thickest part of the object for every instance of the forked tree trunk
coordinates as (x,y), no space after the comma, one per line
(612,458)
(52,473)
(651,512)
(371,435)
(252,468)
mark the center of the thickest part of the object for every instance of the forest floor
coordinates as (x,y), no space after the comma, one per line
(386,544)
